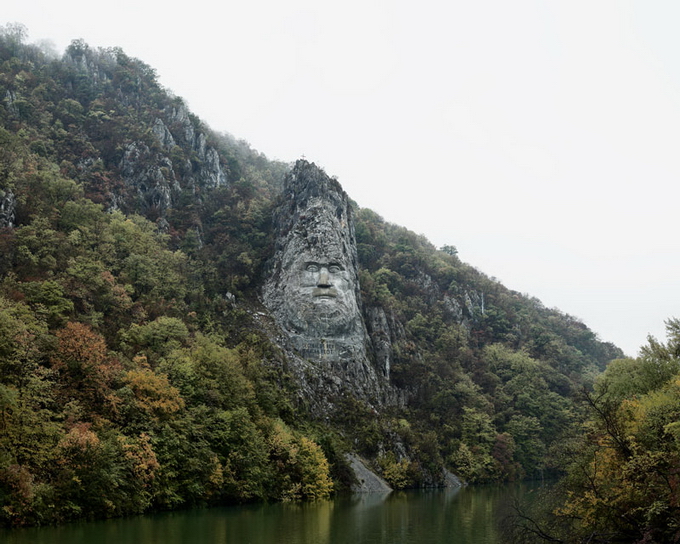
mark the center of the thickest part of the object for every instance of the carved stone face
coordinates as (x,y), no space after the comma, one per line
(320,295)
(313,286)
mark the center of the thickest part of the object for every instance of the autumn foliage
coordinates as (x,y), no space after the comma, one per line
(138,370)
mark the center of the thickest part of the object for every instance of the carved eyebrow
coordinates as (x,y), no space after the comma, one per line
(313,266)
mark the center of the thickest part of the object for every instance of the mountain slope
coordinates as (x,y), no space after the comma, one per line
(140,368)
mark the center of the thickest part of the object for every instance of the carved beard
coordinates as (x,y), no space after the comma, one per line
(319,317)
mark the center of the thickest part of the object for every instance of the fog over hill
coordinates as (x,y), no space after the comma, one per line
(538,139)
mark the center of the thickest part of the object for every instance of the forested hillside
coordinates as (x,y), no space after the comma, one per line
(622,469)
(139,369)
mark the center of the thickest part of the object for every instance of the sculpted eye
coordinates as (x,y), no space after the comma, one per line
(312,268)
(334,269)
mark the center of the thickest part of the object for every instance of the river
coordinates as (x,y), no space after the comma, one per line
(455,516)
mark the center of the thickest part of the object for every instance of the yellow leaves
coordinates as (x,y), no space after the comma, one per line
(302,467)
(673,430)
(153,392)
(141,456)
(316,482)
(397,473)
(80,439)
(216,477)
(141,361)
(631,412)
(636,485)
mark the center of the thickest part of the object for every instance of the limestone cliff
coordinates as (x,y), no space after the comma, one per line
(172,154)
(7,208)
(155,178)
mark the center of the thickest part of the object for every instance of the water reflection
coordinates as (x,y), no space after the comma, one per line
(465,516)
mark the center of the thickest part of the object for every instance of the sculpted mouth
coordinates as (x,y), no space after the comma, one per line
(325,292)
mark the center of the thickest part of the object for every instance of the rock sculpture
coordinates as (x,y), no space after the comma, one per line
(312,290)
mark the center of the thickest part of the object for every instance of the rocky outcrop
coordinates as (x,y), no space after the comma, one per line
(367,481)
(10,103)
(385,332)
(452,308)
(206,170)
(151,177)
(470,305)
(450,480)
(8,204)
(97,64)
(312,290)
(163,134)
(474,303)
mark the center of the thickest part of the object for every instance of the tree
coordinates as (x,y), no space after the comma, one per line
(84,366)
(210,374)
(626,481)
(14,35)
(449,250)
(302,468)
(152,393)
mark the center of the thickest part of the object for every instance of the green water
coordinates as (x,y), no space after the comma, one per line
(466,516)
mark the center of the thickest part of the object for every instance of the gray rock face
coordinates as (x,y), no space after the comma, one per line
(91,62)
(7,208)
(474,302)
(453,308)
(152,174)
(163,134)
(367,480)
(451,480)
(380,331)
(209,171)
(154,180)
(313,287)
(9,100)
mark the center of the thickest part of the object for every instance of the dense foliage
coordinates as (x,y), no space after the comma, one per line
(135,371)
(493,378)
(624,481)
(623,465)
(126,381)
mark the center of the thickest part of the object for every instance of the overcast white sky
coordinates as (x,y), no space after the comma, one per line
(541,138)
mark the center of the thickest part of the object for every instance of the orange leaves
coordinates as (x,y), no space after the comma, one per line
(79,450)
(80,438)
(85,368)
(80,348)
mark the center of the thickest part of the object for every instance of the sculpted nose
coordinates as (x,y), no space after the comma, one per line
(323,279)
